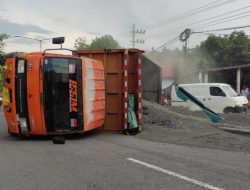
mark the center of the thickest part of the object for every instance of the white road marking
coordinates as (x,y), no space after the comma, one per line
(175,174)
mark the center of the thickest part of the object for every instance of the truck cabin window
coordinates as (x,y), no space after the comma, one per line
(59,74)
(216,91)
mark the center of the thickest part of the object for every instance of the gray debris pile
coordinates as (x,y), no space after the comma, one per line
(184,127)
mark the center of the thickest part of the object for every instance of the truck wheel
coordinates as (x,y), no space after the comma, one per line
(58,140)
(229,110)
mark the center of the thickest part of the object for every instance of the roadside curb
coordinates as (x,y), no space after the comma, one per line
(223,126)
(235,130)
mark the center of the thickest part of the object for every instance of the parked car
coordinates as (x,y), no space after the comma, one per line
(219,97)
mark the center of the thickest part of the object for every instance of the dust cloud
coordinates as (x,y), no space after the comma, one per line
(183,68)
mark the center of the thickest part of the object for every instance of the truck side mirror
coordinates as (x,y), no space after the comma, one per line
(59,40)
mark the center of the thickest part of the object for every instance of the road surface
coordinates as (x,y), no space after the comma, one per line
(113,161)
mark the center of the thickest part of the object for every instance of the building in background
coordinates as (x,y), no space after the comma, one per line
(167,72)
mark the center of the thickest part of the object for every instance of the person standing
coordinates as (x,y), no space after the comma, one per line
(245,92)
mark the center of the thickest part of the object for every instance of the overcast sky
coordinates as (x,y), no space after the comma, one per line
(94,18)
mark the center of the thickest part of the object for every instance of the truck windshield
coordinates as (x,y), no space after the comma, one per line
(61,93)
(229,91)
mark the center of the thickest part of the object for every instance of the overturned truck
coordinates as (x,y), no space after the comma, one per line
(50,94)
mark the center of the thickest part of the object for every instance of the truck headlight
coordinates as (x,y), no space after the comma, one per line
(23,124)
(20,66)
(6,96)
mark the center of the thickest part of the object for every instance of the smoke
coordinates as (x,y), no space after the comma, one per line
(183,68)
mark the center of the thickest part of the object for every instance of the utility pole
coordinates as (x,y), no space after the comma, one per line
(40,41)
(29,38)
(134,31)
(185,47)
(184,37)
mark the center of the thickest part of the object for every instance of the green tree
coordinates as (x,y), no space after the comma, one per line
(238,48)
(231,49)
(2,44)
(1,78)
(215,48)
(80,43)
(104,42)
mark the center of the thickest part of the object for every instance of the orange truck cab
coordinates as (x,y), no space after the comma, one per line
(51,94)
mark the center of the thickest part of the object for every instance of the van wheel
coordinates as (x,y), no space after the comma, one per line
(229,110)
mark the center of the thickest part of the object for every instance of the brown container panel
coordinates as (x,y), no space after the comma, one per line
(99,57)
(113,122)
(113,102)
(113,83)
(113,62)
(132,84)
(133,62)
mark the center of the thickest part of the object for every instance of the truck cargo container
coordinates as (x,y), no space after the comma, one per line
(123,76)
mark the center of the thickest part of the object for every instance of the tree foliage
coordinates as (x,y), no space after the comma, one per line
(2,38)
(80,43)
(231,49)
(2,44)
(104,42)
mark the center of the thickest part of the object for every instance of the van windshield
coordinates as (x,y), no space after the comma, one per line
(229,91)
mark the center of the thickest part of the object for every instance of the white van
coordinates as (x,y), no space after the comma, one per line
(219,97)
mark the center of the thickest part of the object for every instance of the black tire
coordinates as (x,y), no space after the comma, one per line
(131,131)
(58,140)
(229,110)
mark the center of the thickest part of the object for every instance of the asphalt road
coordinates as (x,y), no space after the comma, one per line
(114,161)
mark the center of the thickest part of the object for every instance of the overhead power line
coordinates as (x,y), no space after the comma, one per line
(223,22)
(213,33)
(204,8)
(222,29)
(174,17)
(201,32)
(29,38)
(177,29)
(169,42)
(216,16)
(209,33)
(174,32)
(207,25)
(221,19)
